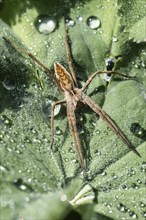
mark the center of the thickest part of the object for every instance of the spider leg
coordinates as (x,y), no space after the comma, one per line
(102,72)
(47,70)
(68,53)
(73,128)
(96,108)
(52,118)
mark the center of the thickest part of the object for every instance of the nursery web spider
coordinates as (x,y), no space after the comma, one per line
(67,83)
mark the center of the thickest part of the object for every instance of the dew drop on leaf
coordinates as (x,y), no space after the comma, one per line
(69,22)
(103,173)
(143,167)
(20,185)
(93,22)
(45,24)
(46,108)
(114,39)
(5,120)
(2,168)
(63,198)
(58,131)
(122,208)
(97,131)
(9,84)
(133,215)
(137,130)
(79,18)
(142,204)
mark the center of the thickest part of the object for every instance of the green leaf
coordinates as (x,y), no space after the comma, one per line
(33,175)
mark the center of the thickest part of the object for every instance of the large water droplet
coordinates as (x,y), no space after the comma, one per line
(69,22)
(93,22)
(9,84)
(110,63)
(137,130)
(46,108)
(45,24)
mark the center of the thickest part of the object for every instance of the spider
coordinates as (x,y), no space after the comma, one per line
(67,83)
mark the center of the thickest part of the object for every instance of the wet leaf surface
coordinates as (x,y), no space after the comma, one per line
(32,173)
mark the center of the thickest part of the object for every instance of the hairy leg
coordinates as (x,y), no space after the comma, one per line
(75,135)
(96,108)
(68,53)
(102,72)
(46,69)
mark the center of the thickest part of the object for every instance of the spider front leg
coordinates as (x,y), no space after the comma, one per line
(46,69)
(111,124)
(102,72)
(60,102)
(68,53)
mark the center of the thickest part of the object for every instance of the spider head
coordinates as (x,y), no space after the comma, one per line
(63,77)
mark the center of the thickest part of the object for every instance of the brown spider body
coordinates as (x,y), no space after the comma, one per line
(72,96)
(67,83)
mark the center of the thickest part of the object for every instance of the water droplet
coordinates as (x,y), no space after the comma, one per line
(122,208)
(63,198)
(110,63)
(80,128)
(93,22)
(5,120)
(46,108)
(69,22)
(79,18)
(137,130)
(131,172)
(58,131)
(97,131)
(103,173)
(114,39)
(20,185)
(74,161)
(45,24)
(134,186)
(29,180)
(142,204)
(2,168)
(143,167)
(9,84)
(66,159)
(133,215)
(108,77)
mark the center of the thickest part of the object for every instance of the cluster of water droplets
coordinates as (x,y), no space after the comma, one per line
(46,24)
